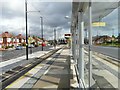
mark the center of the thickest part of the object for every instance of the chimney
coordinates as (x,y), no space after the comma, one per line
(6,32)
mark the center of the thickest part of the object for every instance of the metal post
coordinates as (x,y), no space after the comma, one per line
(26,30)
(77,48)
(31,50)
(90,44)
(112,36)
(54,38)
(42,31)
(81,43)
(71,43)
(75,44)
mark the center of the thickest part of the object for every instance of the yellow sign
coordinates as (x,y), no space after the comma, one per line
(97,24)
(30,40)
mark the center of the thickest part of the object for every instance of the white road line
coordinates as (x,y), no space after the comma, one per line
(8,62)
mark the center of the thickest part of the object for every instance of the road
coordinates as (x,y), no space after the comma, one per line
(11,54)
(109,51)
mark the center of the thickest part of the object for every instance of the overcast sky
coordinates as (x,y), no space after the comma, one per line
(53,13)
(111,21)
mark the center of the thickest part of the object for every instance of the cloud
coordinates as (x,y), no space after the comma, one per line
(53,13)
(11,9)
(111,21)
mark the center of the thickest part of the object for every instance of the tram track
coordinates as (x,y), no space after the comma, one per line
(11,75)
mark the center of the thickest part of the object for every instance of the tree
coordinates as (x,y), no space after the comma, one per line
(113,36)
(118,35)
(118,38)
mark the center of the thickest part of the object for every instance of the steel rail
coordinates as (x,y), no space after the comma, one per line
(7,81)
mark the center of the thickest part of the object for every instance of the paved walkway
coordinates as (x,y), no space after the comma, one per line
(52,73)
(9,64)
(58,74)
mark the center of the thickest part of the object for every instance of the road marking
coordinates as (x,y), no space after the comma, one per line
(23,79)
(12,61)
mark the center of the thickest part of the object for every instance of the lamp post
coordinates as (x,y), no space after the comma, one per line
(70,39)
(42,31)
(112,36)
(26,30)
(54,38)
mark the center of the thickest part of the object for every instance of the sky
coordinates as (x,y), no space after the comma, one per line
(53,13)
(111,21)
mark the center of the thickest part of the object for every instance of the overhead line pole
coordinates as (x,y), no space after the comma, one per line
(54,38)
(26,30)
(42,31)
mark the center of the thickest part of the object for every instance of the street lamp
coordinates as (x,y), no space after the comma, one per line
(112,35)
(26,28)
(54,38)
(70,43)
(67,17)
(41,21)
(42,30)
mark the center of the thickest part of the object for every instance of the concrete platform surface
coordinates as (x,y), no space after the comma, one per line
(54,73)
(57,75)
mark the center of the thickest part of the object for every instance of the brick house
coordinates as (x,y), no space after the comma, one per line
(19,39)
(102,39)
(6,39)
(37,40)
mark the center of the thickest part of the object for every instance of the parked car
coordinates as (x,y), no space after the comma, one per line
(48,44)
(30,46)
(19,48)
(43,44)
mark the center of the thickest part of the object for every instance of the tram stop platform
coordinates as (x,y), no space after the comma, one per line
(55,73)
(58,73)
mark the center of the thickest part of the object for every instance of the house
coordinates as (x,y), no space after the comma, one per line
(5,39)
(1,41)
(102,39)
(19,39)
(37,40)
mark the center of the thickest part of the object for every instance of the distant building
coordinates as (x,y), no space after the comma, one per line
(5,39)
(19,39)
(37,40)
(31,40)
(102,39)
(1,41)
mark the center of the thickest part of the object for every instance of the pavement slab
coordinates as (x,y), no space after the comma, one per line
(58,74)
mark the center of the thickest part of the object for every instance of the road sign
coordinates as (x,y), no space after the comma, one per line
(30,40)
(97,24)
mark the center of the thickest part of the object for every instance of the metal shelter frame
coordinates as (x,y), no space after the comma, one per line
(77,29)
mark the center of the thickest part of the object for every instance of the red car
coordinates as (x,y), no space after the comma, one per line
(43,44)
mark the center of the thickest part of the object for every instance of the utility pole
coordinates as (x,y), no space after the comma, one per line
(54,38)
(26,30)
(42,31)
(112,36)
